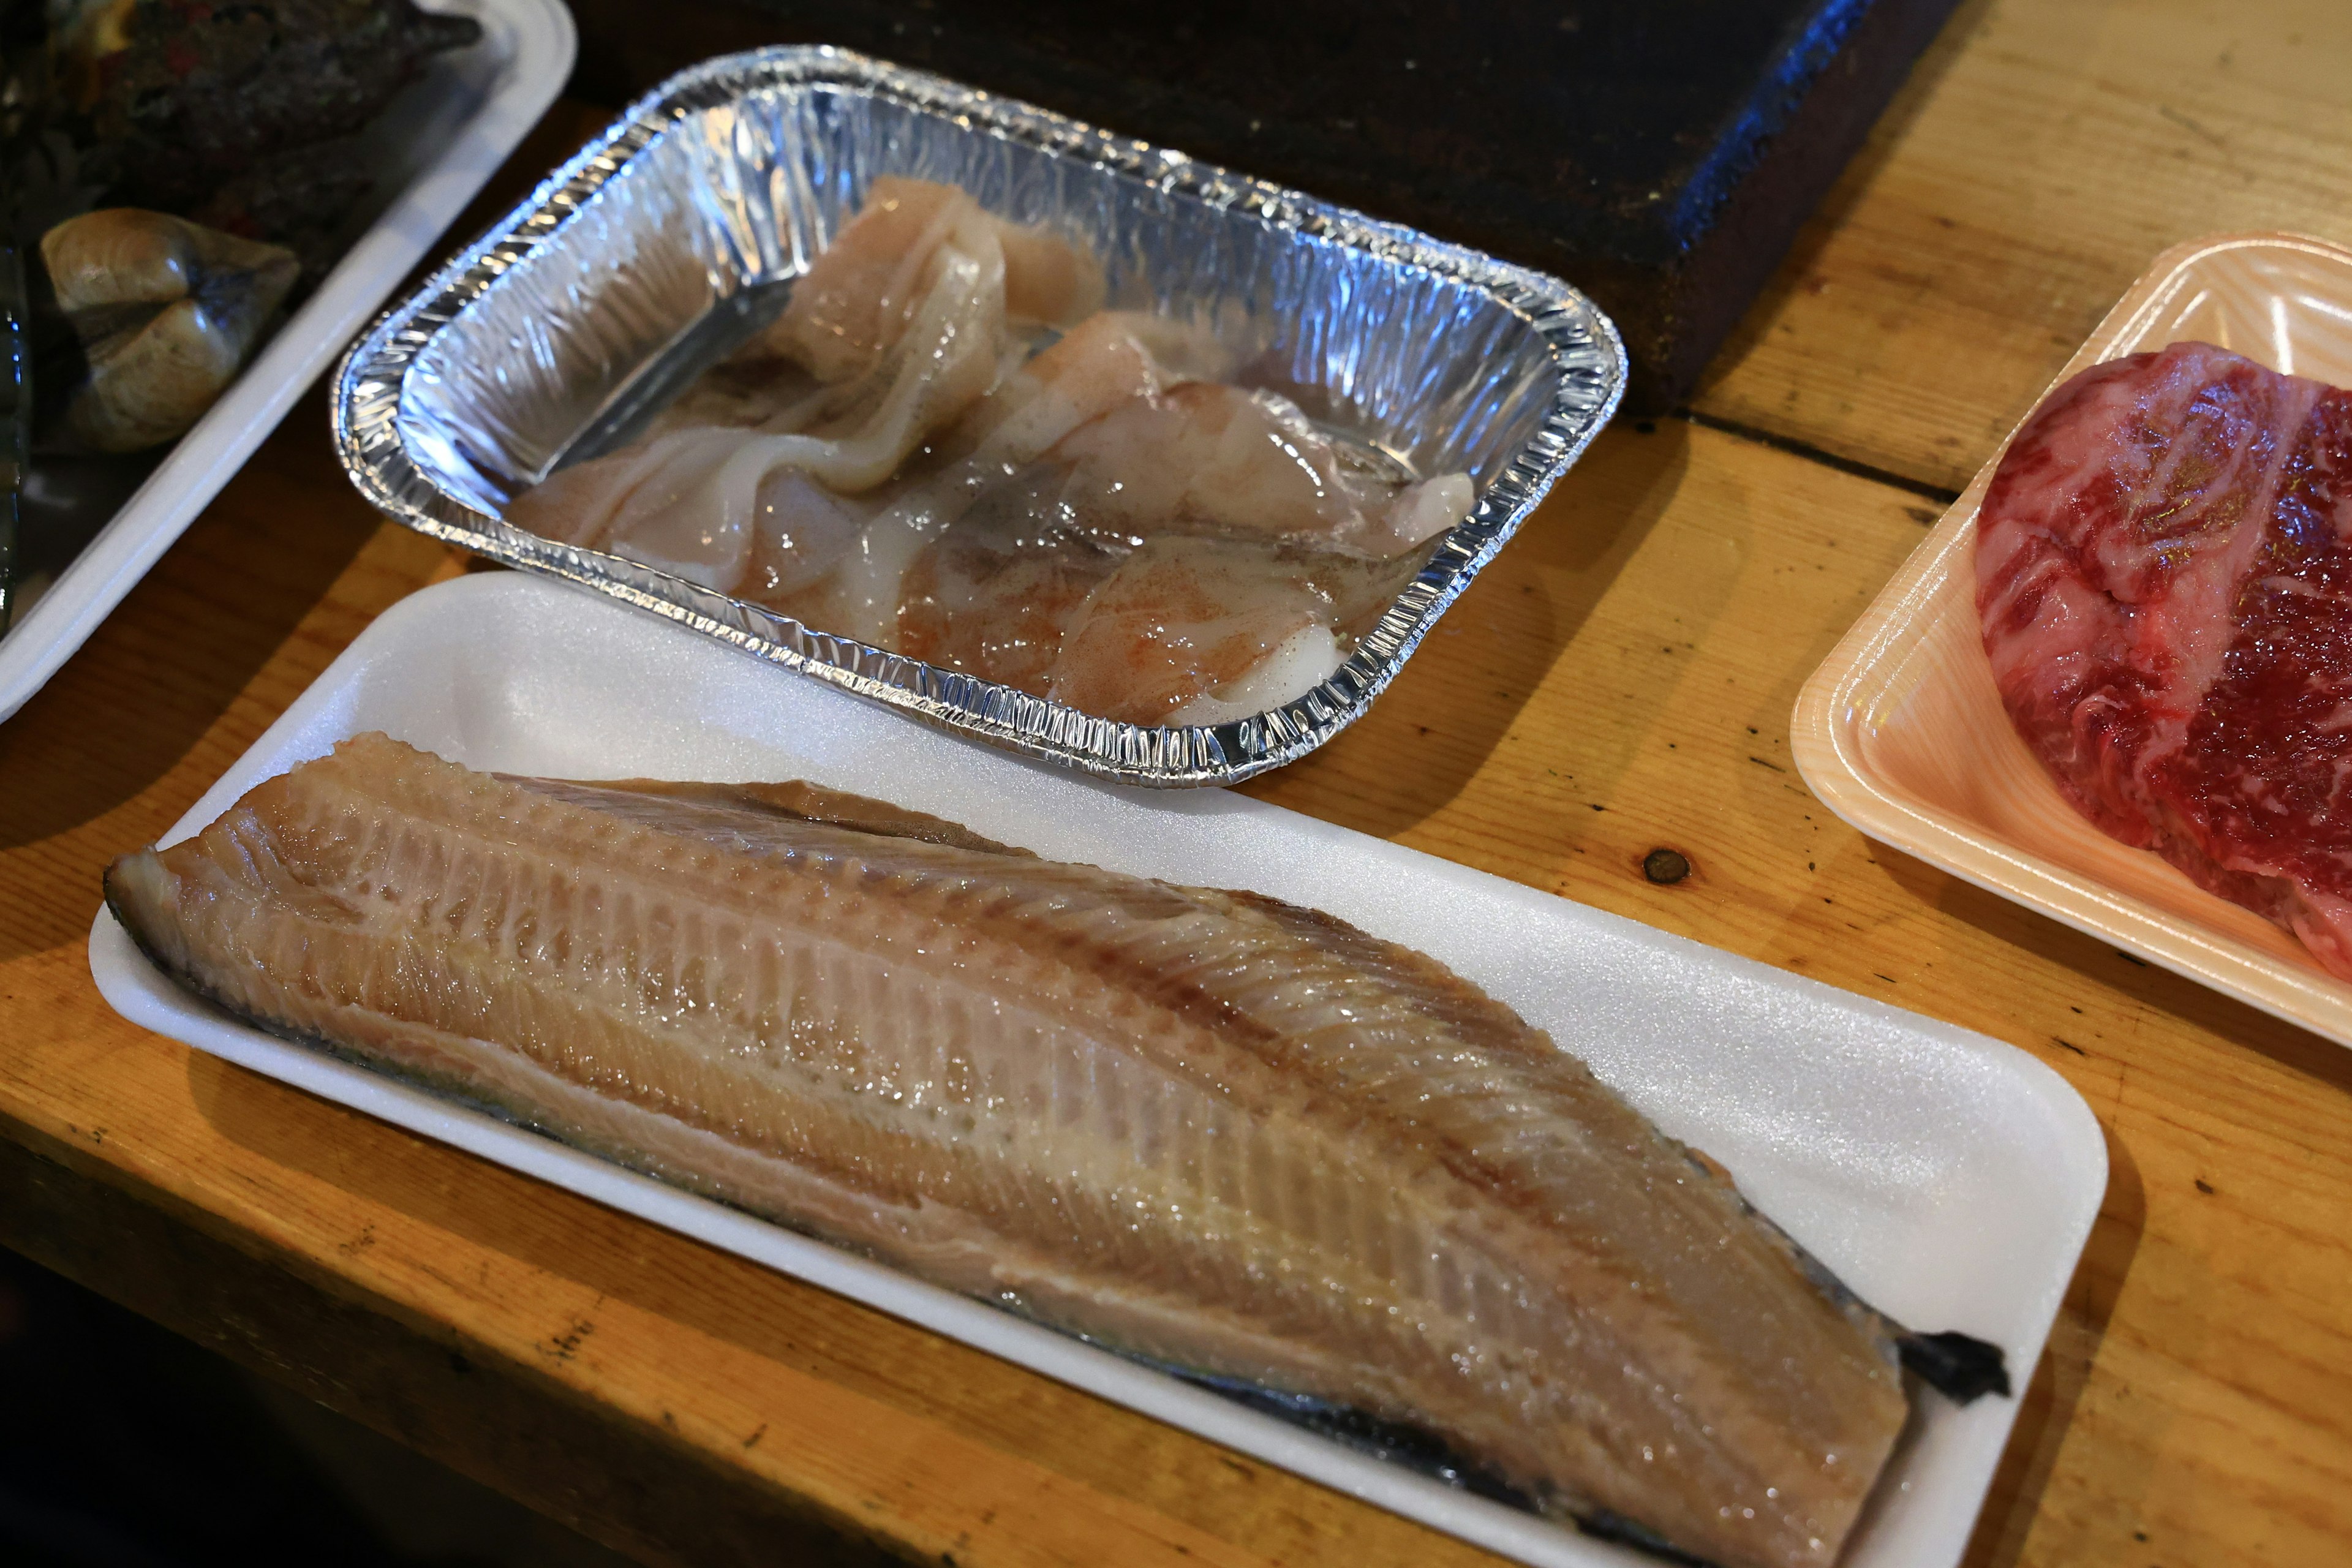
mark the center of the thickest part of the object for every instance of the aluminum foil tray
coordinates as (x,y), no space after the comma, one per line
(674,235)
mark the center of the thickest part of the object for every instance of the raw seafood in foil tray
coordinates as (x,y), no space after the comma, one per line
(1106,522)
(1042,434)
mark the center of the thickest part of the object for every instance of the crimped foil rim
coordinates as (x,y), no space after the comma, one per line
(1586,352)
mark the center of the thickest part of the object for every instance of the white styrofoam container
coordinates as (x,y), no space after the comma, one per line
(1948,1178)
(442,139)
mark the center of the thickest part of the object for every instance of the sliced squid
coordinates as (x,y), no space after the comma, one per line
(1109,360)
(801,531)
(707,504)
(1158,628)
(995,593)
(1204,457)
(681,503)
(1185,619)
(865,290)
(682,499)
(1110,523)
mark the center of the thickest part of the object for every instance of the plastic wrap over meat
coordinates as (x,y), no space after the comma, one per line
(675,235)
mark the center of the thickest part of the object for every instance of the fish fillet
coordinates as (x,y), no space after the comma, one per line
(1206,1128)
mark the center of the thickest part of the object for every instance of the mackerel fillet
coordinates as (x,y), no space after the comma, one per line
(1206,1128)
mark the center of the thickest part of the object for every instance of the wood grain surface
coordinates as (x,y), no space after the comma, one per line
(1619,680)
(2043,150)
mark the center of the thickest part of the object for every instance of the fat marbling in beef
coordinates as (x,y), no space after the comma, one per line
(2164,586)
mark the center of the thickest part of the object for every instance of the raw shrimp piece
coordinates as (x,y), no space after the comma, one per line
(993,596)
(864,290)
(1107,360)
(1183,618)
(1204,457)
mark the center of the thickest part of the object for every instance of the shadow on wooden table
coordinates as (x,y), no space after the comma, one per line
(194,634)
(157,676)
(497,1422)
(2067,1359)
(2058,1381)
(1831,216)
(177,680)
(1428,735)
(2102,1074)
(2100,963)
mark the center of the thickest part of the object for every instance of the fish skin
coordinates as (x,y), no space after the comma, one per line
(1208,1128)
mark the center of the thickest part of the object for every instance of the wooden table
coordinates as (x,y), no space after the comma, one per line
(1620,680)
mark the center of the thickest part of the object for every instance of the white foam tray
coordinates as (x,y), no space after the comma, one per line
(439,142)
(1950,1179)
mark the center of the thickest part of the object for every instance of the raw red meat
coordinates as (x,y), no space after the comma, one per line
(2164,579)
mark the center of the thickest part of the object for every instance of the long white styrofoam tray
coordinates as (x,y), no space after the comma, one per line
(1948,1178)
(440,139)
